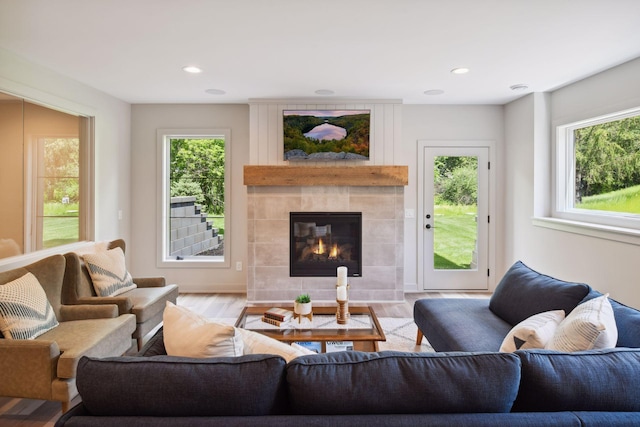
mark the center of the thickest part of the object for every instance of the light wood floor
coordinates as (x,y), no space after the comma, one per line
(38,413)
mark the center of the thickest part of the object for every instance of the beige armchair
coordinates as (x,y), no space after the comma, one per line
(45,367)
(146,302)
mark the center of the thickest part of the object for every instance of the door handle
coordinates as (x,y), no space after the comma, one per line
(428,226)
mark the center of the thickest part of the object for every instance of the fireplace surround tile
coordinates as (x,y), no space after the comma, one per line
(268,259)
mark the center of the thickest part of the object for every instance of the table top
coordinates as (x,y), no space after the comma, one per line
(363,325)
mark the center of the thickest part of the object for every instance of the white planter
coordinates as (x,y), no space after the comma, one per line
(302,308)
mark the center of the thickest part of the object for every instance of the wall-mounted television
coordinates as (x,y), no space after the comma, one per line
(326,135)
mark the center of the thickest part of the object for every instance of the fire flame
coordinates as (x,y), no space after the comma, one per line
(334,251)
(320,249)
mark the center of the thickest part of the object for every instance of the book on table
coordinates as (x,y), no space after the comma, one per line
(273,321)
(280,314)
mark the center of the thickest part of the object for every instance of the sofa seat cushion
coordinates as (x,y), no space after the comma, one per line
(460,324)
(148,302)
(523,292)
(91,337)
(627,321)
(391,382)
(166,386)
(598,380)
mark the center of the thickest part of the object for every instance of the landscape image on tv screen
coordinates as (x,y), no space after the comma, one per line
(324,135)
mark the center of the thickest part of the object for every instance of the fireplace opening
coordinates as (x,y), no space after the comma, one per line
(320,242)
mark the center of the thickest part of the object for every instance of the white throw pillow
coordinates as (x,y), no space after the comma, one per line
(256,343)
(108,271)
(25,311)
(590,326)
(189,334)
(533,332)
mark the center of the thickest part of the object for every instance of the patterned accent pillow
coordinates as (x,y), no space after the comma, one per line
(533,332)
(590,326)
(25,311)
(108,272)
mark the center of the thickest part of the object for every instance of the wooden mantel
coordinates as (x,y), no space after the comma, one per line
(376,176)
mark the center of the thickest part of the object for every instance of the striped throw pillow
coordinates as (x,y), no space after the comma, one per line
(25,311)
(108,272)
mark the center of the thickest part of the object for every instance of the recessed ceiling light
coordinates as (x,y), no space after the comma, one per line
(215,91)
(460,70)
(192,69)
(434,92)
(519,87)
(324,92)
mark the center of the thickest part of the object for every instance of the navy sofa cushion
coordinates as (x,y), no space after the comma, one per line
(523,292)
(167,386)
(627,321)
(563,419)
(388,382)
(602,380)
(460,324)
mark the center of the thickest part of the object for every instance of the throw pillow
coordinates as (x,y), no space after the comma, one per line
(534,332)
(523,292)
(590,326)
(189,334)
(256,343)
(108,272)
(25,311)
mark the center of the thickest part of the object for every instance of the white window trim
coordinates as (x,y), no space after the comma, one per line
(600,224)
(163,152)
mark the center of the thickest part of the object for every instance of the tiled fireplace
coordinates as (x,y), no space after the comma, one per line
(269,208)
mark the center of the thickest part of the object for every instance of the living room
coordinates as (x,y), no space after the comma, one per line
(126,181)
(521,126)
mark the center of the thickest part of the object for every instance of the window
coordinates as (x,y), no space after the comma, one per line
(44,175)
(194,188)
(598,170)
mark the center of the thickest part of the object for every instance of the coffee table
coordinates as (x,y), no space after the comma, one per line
(363,328)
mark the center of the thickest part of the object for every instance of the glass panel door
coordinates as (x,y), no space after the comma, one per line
(455,223)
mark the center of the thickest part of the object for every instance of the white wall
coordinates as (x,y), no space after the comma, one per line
(606,265)
(112,134)
(446,123)
(146,120)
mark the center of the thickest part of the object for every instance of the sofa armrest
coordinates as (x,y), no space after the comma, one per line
(124,303)
(88,311)
(28,367)
(150,282)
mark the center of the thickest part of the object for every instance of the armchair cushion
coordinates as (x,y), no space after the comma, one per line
(108,272)
(25,311)
(91,337)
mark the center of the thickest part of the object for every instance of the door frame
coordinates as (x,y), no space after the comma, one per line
(491,251)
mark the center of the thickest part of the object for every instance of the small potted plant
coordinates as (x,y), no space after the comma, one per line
(302,304)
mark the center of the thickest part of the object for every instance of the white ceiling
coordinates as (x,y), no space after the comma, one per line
(364,49)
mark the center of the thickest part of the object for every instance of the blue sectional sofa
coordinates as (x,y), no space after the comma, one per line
(481,324)
(475,385)
(526,388)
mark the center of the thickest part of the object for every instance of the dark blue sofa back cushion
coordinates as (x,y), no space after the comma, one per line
(599,380)
(627,321)
(165,386)
(523,292)
(388,382)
